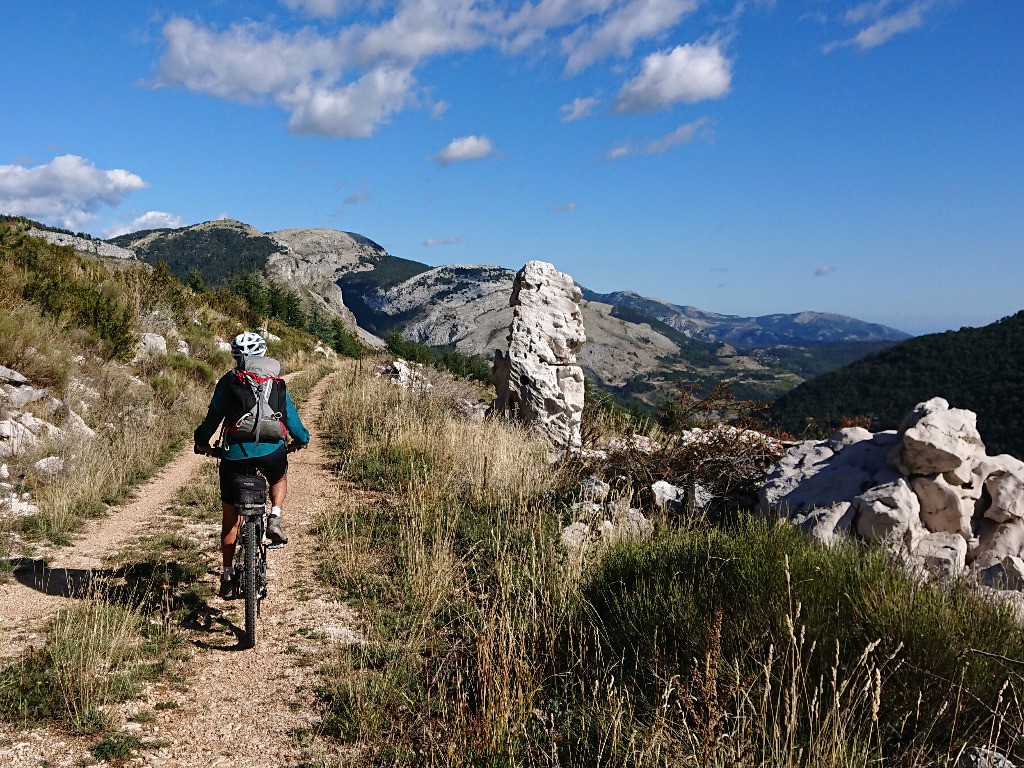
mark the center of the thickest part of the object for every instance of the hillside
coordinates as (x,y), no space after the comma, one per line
(981,369)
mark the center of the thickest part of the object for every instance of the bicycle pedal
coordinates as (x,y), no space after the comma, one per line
(271,545)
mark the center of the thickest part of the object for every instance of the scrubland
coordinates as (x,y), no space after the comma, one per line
(737,644)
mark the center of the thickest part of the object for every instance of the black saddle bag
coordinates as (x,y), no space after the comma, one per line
(250,494)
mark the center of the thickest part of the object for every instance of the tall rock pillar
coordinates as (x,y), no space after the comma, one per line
(538,381)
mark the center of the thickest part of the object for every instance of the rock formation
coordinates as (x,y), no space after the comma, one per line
(538,381)
(927,490)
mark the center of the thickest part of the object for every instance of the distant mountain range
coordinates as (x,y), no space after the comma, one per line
(637,347)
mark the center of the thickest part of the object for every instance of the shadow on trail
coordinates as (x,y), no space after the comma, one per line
(167,589)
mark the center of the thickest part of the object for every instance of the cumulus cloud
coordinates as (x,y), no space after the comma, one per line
(622,29)
(883,20)
(577,109)
(564,208)
(354,111)
(65,192)
(431,241)
(823,270)
(684,134)
(688,73)
(148,220)
(466,148)
(348,76)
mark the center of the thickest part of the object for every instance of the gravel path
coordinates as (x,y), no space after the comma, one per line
(232,707)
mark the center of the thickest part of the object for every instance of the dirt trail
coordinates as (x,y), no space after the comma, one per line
(35,595)
(244,707)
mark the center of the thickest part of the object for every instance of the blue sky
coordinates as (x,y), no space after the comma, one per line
(747,157)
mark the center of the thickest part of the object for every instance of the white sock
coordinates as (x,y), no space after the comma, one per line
(228,572)
(275,511)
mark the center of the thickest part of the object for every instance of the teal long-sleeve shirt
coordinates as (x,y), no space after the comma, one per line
(237,451)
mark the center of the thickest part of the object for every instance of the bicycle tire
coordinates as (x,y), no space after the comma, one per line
(249,580)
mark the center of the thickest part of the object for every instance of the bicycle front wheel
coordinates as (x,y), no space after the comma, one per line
(250,579)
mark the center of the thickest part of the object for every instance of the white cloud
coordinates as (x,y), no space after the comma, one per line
(65,192)
(438,108)
(356,198)
(577,109)
(353,111)
(466,148)
(684,134)
(346,77)
(883,25)
(824,270)
(688,73)
(432,241)
(321,8)
(629,23)
(148,220)
(564,208)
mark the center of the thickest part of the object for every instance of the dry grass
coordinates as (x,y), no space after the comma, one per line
(489,644)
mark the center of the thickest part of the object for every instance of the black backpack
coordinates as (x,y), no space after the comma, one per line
(258,396)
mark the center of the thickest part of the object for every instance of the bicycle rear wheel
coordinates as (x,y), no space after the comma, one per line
(250,580)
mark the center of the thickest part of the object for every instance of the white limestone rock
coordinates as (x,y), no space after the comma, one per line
(997,541)
(941,440)
(15,437)
(812,475)
(1008,573)
(150,345)
(11,376)
(668,498)
(49,466)
(826,525)
(889,514)
(944,507)
(538,382)
(944,554)
(576,536)
(1007,492)
(18,397)
(183,347)
(595,490)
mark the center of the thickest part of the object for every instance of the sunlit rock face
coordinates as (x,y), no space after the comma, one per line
(538,381)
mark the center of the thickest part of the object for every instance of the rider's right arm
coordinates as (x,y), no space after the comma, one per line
(214,414)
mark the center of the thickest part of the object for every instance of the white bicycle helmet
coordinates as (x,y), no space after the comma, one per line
(248,344)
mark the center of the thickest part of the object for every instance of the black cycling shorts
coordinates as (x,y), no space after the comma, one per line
(273,466)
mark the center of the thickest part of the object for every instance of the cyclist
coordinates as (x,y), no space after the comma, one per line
(268,455)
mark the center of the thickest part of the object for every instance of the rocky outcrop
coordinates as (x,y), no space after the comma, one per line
(928,491)
(312,260)
(538,381)
(90,247)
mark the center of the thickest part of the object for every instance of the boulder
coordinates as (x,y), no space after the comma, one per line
(941,440)
(825,525)
(150,345)
(814,475)
(183,347)
(889,513)
(538,381)
(18,397)
(576,536)
(49,466)
(1008,573)
(1007,492)
(5,473)
(668,498)
(944,554)
(996,541)
(11,376)
(14,437)
(944,507)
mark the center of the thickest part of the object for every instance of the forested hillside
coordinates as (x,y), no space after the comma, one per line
(981,369)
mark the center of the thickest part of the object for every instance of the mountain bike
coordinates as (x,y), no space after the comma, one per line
(250,566)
